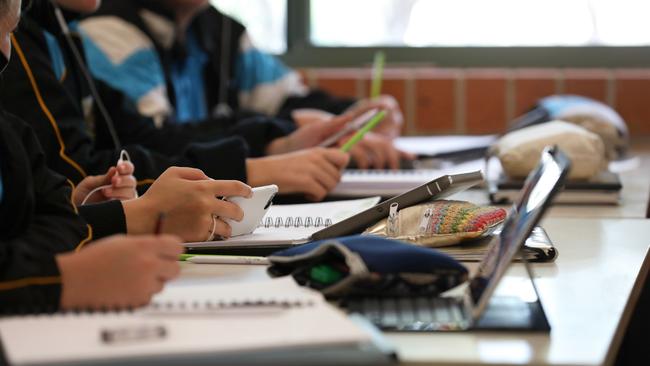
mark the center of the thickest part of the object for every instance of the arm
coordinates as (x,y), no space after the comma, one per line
(38,221)
(32,91)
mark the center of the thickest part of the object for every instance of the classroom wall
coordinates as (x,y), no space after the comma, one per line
(477,100)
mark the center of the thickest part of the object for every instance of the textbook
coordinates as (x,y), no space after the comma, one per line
(292,224)
(267,321)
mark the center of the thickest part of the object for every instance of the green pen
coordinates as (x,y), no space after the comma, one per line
(374,121)
(377,74)
(184,257)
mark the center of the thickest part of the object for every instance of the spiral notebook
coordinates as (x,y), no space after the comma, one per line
(180,327)
(389,183)
(292,224)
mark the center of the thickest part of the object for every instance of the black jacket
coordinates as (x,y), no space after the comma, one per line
(76,145)
(209,28)
(37,221)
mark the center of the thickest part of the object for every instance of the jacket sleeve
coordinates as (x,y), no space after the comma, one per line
(268,86)
(105,218)
(32,91)
(315,99)
(257,131)
(43,224)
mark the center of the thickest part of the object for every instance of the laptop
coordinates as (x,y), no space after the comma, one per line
(476,308)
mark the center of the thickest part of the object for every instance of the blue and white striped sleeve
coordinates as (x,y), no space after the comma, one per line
(263,81)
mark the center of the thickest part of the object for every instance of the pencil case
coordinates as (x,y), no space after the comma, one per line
(366,265)
(439,223)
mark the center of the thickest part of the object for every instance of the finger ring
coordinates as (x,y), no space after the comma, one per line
(214,228)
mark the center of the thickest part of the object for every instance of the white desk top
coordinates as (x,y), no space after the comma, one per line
(584,294)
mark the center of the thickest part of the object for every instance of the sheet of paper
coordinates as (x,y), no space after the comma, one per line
(434,145)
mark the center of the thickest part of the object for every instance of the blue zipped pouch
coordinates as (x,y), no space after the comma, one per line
(368,265)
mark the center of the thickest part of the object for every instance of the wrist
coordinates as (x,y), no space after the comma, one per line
(140,216)
(278,146)
(255,172)
(70,293)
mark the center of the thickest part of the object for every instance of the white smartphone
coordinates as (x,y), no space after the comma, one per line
(254,209)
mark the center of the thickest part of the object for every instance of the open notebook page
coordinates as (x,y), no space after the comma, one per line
(294,224)
(76,338)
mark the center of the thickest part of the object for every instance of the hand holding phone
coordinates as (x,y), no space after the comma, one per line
(254,209)
(353,126)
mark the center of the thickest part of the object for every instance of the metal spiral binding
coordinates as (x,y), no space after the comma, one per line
(297,222)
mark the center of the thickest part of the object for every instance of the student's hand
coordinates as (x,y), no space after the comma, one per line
(189,200)
(118,271)
(310,133)
(376,151)
(391,126)
(120,178)
(313,172)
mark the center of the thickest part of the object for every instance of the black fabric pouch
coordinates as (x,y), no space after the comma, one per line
(368,265)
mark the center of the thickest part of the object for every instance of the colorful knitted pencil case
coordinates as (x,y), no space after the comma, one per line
(439,223)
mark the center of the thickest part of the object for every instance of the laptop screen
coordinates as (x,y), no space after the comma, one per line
(539,188)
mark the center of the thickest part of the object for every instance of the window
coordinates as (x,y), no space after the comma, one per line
(265,20)
(479,23)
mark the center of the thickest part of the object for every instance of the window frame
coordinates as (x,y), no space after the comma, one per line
(302,53)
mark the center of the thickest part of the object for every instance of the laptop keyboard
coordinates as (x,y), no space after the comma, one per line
(412,314)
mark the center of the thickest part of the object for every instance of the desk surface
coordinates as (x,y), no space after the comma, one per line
(585,294)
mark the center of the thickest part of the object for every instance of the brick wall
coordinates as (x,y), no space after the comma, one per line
(443,100)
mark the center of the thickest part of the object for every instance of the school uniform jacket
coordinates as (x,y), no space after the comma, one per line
(37,222)
(74,136)
(236,73)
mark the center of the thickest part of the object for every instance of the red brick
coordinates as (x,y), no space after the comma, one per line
(532,85)
(590,83)
(485,101)
(339,82)
(632,96)
(435,101)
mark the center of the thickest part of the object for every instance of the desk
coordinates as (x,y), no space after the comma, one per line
(588,295)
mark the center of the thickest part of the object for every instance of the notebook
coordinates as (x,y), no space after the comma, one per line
(292,224)
(605,188)
(178,328)
(450,146)
(389,183)
(537,248)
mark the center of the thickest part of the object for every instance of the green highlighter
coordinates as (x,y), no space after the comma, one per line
(377,74)
(374,121)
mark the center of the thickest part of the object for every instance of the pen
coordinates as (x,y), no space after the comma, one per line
(377,74)
(354,125)
(374,121)
(225,259)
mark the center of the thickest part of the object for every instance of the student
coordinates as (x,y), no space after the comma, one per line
(183,61)
(55,110)
(39,231)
